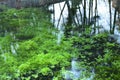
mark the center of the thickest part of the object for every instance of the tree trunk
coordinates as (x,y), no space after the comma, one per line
(116,5)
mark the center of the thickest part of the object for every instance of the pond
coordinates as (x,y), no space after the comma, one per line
(104,20)
(33,49)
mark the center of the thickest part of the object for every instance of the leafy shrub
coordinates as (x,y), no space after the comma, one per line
(98,52)
(38,56)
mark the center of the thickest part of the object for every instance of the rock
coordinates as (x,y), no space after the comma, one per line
(114,38)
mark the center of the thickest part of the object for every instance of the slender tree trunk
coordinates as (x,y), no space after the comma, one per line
(114,21)
(53,13)
(110,16)
(81,16)
(61,15)
(90,10)
(95,16)
(84,18)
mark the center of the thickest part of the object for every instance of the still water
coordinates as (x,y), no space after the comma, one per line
(76,73)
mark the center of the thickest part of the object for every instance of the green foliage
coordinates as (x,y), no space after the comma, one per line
(45,63)
(17,21)
(38,56)
(5,44)
(108,66)
(98,52)
(8,66)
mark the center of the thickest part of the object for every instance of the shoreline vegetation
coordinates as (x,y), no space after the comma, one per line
(29,48)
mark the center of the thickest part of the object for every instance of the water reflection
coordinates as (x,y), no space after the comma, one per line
(77,73)
(103,22)
(101,10)
(58,18)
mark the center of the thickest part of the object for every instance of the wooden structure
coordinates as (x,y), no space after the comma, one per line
(27,3)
